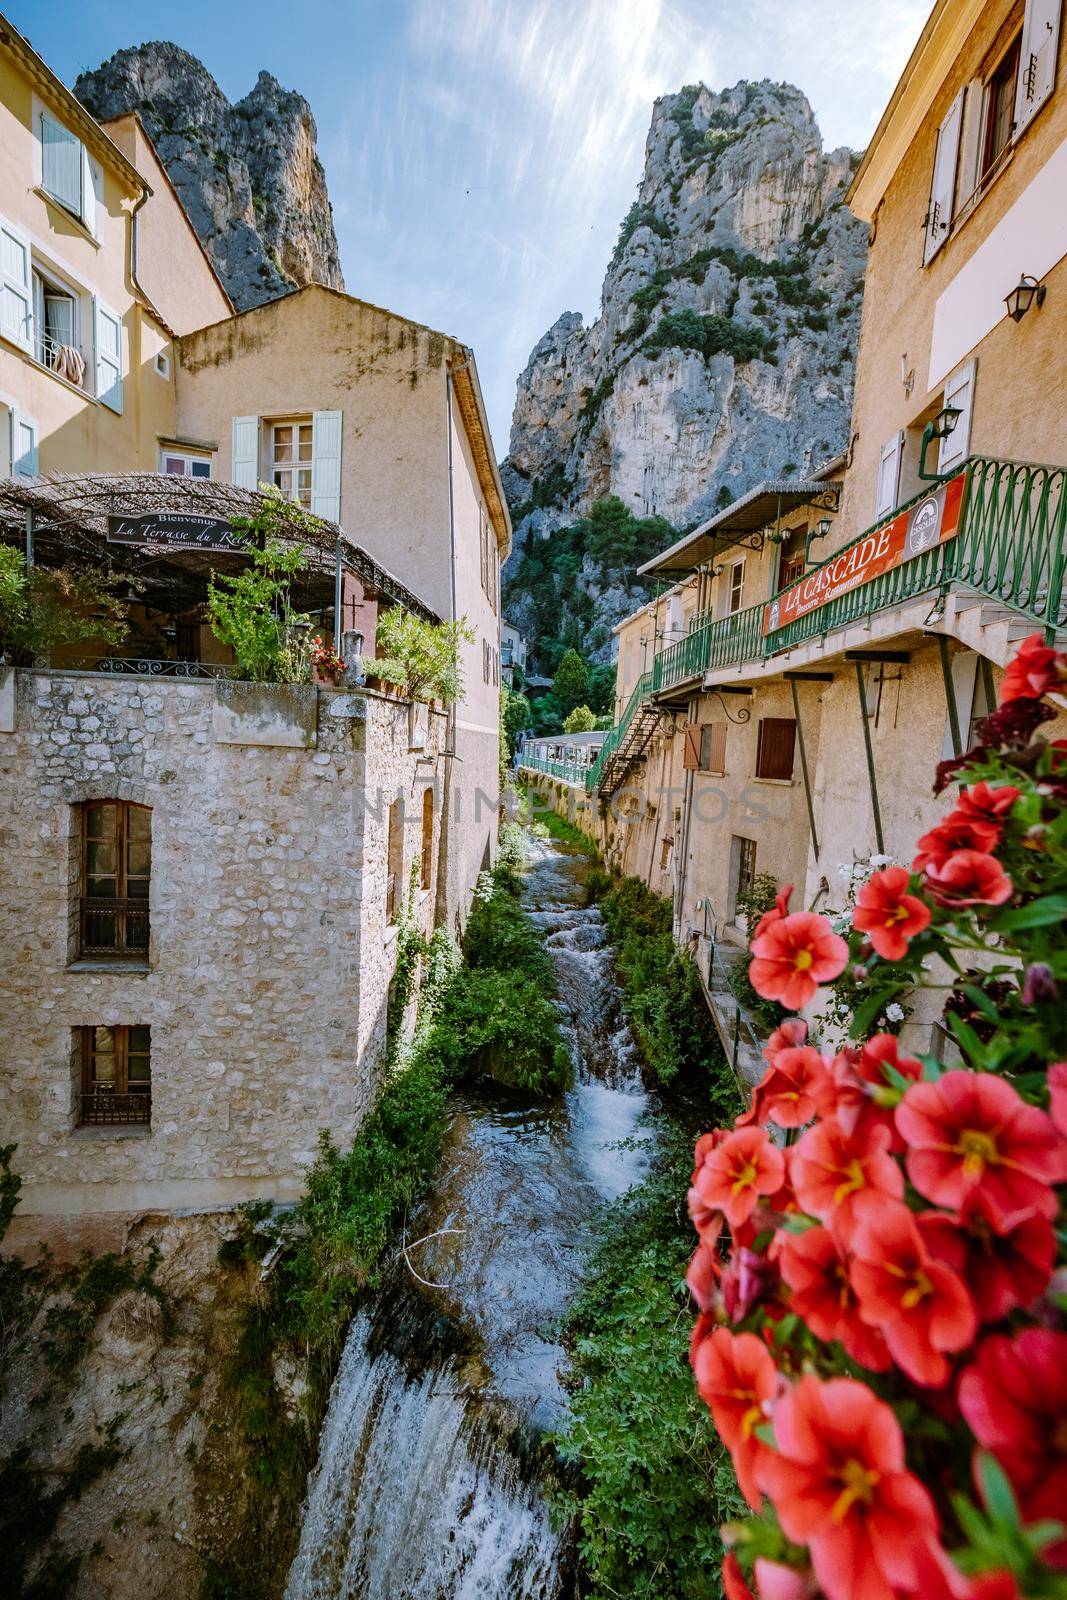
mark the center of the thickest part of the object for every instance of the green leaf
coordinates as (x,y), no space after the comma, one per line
(997,1492)
(1038,914)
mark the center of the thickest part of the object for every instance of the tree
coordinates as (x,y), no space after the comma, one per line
(600,695)
(571,681)
(581,720)
(515,716)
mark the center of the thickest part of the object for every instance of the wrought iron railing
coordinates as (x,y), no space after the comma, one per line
(101,1108)
(113,928)
(1011,546)
(569,771)
(147,667)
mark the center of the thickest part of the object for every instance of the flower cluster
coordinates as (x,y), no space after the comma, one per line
(880,1273)
(324,658)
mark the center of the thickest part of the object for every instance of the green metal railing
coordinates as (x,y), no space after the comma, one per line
(1011,546)
(569,771)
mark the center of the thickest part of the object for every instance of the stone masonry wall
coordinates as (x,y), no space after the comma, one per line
(269,964)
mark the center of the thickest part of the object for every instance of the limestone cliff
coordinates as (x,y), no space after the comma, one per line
(723,352)
(248,174)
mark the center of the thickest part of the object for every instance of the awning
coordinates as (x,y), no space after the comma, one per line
(750,514)
(70,512)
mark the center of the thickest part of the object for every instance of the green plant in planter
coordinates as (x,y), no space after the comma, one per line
(385,669)
(251,613)
(42,608)
(428,653)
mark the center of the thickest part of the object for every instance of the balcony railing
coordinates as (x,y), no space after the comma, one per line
(103,1109)
(1011,546)
(113,928)
(569,771)
(147,667)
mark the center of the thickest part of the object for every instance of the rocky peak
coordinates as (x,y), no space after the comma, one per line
(248,174)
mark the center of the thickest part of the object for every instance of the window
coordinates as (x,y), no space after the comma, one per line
(115,878)
(161,362)
(394,884)
(116,1075)
(743,853)
(184,464)
(66,172)
(791,562)
(426,860)
(774,747)
(999,111)
(291,448)
(713,747)
(736,588)
(55,328)
(665,853)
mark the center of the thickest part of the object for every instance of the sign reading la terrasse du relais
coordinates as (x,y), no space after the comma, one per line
(173,530)
(935,520)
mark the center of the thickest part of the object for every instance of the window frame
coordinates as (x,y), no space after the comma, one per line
(137,1107)
(426,859)
(122,949)
(86,211)
(188,458)
(709,735)
(990,163)
(296,465)
(735,567)
(762,740)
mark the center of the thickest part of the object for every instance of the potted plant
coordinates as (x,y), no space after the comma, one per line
(326,664)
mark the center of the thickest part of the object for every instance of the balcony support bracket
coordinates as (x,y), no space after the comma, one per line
(950,696)
(869,751)
(804,766)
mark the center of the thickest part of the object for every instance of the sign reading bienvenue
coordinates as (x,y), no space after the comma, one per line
(175,531)
(933,521)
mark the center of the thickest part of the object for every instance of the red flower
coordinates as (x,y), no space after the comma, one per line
(841,1179)
(888,915)
(794,955)
(779,910)
(703,1275)
(734,1586)
(707,1221)
(957,832)
(878,1057)
(1033,671)
(815,1267)
(919,1304)
(971,1131)
(981,802)
(1057,1094)
(969,878)
(744,1166)
(792,1090)
(1015,1399)
(839,1485)
(737,1379)
(775,1582)
(790,1034)
(750,1278)
(704,1146)
(1002,1267)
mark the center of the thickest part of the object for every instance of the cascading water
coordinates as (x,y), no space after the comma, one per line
(427,1481)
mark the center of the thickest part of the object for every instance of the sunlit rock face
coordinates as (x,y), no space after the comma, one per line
(739,216)
(248,174)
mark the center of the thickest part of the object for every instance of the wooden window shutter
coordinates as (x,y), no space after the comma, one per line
(691,752)
(959,392)
(107,334)
(774,752)
(326,465)
(244,467)
(713,748)
(1037,59)
(887,489)
(16,292)
(941,208)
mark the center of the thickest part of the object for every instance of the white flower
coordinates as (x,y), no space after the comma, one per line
(893,1012)
(881,861)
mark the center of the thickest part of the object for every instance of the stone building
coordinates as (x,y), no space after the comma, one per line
(824,642)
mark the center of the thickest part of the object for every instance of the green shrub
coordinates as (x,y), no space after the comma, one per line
(251,613)
(42,608)
(711,335)
(427,652)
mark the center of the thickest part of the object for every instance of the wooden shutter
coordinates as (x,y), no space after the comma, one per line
(24,454)
(326,465)
(939,213)
(959,392)
(89,195)
(16,294)
(61,164)
(888,488)
(713,748)
(774,753)
(107,338)
(691,752)
(1037,59)
(244,469)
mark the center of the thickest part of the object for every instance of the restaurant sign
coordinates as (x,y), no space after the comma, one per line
(934,520)
(171,530)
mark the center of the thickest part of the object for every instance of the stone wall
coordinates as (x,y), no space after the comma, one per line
(268,971)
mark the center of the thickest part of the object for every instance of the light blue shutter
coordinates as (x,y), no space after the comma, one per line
(16,294)
(107,335)
(24,456)
(88,205)
(959,392)
(245,468)
(888,487)
(326,465)
(1037,59)
(61,164)
(941,209)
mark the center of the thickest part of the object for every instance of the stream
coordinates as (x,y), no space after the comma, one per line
(428,1478)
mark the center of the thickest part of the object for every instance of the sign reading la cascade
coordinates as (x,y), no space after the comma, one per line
(933,521)
(174,530)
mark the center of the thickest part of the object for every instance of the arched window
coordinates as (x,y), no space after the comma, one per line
(426,876)
(394,888)
(116,870)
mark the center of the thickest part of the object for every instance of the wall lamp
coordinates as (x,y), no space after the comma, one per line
(942,425)
(1022,297)
(818,532)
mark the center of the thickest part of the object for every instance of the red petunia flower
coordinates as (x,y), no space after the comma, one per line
(750,1279)
(704,1146)
(779,910)
(1014,1398)
(702,1276)
(1034,669)
(793,956)
(737,1379)
(984,803)
(790,1034)
(839,1485)
(1057,1094)
(920,1304)
(969,878)
(815,1267)
(734,1586)
(707,1220)
(971,1131)
(1002,1267)
(842,1179)
(776,1582)
(957,832)
(743,1167)
(888,914)
(792,1091)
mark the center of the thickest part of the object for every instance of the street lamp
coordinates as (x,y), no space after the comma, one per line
(1022,297)
(942,425)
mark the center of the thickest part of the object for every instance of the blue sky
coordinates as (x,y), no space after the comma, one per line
(480,154)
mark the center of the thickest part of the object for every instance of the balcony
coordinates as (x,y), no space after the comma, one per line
(570,771)
(102,1109)
(1011,547)
(113,929)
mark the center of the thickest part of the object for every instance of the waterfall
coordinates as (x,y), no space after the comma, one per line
(424,1486)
